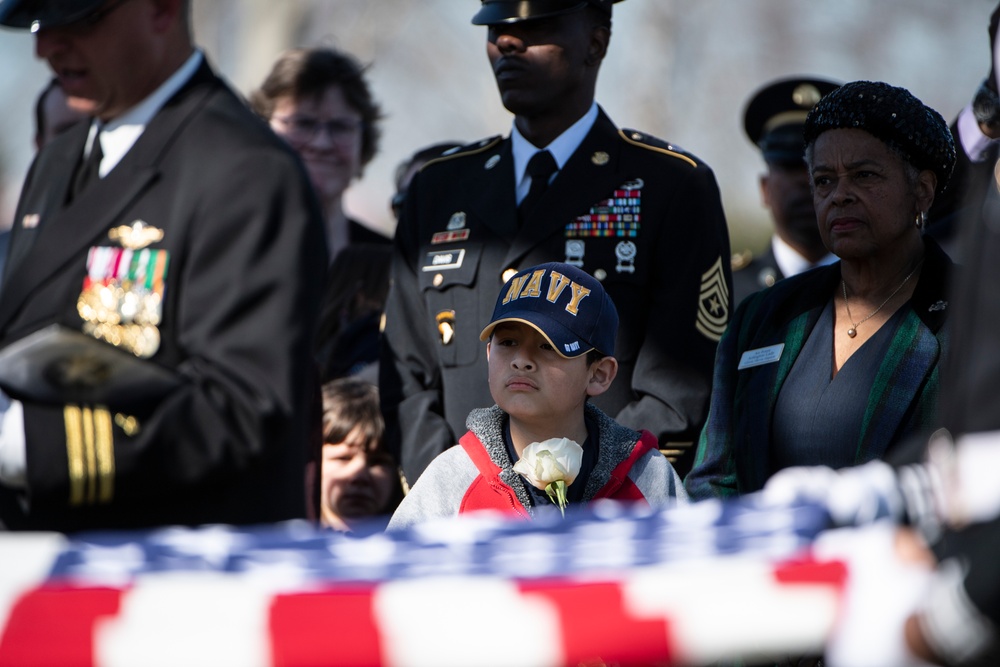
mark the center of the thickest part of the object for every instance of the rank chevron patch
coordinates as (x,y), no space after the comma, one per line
(713,303)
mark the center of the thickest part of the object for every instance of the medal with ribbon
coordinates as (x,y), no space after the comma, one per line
(122,298)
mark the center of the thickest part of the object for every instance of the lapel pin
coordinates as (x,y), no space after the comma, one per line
(600,158)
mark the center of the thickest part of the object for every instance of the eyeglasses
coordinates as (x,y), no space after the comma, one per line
(90,21)
(306,128)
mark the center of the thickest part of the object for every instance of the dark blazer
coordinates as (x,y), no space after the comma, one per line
(669,276)
(242,287)
(971,402)
(734,448)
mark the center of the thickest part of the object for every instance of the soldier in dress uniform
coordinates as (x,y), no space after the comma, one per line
(773,119)
(639,214)
(161,293)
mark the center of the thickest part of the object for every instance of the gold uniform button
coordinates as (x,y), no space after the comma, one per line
(509,273)
(438,279)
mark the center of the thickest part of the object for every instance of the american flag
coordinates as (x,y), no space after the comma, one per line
(610,584)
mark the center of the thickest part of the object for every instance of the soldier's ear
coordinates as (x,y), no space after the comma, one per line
(600,37)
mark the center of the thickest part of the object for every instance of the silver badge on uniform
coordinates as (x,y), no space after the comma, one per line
(625,253)
(492,162)
(457,221)
(575,249)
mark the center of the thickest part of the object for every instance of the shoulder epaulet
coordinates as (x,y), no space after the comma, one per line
(466,151)
(649,142)
(741,260)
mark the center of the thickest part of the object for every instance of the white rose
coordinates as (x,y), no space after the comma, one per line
(553,460)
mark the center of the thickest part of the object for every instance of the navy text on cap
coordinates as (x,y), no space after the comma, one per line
(565,304)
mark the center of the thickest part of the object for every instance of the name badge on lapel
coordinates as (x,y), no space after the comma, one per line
(761,356)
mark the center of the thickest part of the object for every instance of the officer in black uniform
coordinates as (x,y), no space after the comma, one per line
(773,119)
(639,214)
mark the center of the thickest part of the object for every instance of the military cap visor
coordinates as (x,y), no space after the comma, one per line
(513,11)
(775,115)
(38,14)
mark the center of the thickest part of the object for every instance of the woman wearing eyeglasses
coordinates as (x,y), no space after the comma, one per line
(320,102)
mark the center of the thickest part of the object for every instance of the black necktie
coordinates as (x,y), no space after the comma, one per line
(89,169)
(541,167)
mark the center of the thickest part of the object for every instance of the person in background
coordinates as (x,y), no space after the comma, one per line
(358,480)
(319,101)
(407,169)
(547,349)
(567,185)
(773,119)
(351,318)
(128,234)
(839,365)
(976,131)
(54,113)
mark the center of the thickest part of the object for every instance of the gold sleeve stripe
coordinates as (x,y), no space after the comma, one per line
(657,149)
(90,455)
(74,453)
(105,455)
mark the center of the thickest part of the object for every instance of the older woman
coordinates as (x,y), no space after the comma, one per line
(838,365)
(319,101)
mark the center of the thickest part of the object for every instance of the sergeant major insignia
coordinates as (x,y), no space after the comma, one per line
(713,303)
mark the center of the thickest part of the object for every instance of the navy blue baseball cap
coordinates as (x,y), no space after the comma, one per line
(514,11)
(566,305)
(38,14)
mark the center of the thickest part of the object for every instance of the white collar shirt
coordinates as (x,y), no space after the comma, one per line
(790,262)
(118,135)
(561,148)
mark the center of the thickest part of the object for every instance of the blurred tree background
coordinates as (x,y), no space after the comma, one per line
(678,69)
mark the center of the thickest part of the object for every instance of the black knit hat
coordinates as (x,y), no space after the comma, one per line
(893,115)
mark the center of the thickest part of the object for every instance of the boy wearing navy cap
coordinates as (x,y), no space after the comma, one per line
(549,347)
